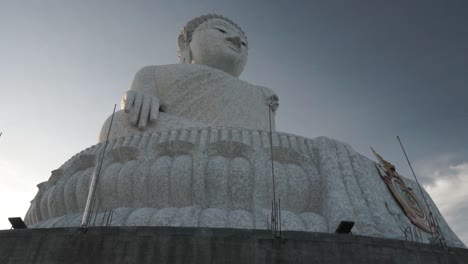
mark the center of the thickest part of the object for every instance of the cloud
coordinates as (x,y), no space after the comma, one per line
(16,191)
(449,190)
(16,175)
(434,168)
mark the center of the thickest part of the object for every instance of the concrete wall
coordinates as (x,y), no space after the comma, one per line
(204,245)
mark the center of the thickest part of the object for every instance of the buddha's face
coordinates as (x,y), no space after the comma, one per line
(218,44)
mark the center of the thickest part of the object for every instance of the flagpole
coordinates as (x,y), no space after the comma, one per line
(94,179)
(422,194)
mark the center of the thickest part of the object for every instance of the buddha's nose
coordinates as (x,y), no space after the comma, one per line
(236,40)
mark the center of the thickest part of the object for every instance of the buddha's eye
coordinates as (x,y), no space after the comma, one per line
(245,44)
(221,30)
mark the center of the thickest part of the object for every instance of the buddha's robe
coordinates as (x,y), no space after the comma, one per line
(196,96)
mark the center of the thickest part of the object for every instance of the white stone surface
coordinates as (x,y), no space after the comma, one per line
(220,177)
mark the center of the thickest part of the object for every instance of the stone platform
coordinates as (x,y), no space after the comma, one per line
(208,245)
(220,177)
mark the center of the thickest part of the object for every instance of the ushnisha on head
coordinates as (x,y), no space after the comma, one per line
(215,41)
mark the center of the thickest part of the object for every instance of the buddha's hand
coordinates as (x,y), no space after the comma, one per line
(143,108)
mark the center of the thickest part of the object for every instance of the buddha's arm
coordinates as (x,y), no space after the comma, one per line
(145,81)
(145,98)
(156,80)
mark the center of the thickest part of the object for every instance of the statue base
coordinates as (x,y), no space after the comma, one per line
(222,177)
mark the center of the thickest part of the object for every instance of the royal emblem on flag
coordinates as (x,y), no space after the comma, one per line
(411,205)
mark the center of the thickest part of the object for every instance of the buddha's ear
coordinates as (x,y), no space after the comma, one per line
(184,49)
(181,41)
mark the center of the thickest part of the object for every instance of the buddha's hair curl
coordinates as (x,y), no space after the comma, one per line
(188,30)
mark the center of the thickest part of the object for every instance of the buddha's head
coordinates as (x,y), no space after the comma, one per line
(215,41)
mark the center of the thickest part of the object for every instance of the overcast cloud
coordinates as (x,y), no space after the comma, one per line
(450,191)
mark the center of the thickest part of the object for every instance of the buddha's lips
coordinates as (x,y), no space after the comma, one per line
(233,46)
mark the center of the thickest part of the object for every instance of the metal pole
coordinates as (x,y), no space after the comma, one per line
(276,217)
(273,204)
(103,217)
(279,212)
(271,152)
(109,218)
(438,229)
(276,207)
(94,179)
(97,212)
(272,217)
(420,189)
(93,203)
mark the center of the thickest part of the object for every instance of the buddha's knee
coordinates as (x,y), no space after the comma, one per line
(120,126)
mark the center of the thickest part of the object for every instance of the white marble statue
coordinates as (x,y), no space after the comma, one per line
(191,147)
(202,91)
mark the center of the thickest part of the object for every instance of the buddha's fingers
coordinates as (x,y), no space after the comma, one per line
(144,114)
(127,101)
(136,108)
(154,110)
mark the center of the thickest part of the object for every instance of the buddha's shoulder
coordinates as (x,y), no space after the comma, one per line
(177,72)
(265,90)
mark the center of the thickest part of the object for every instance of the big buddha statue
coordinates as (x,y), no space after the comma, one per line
(196,146)
(203,90)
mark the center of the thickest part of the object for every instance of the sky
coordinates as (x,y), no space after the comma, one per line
(362,72)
